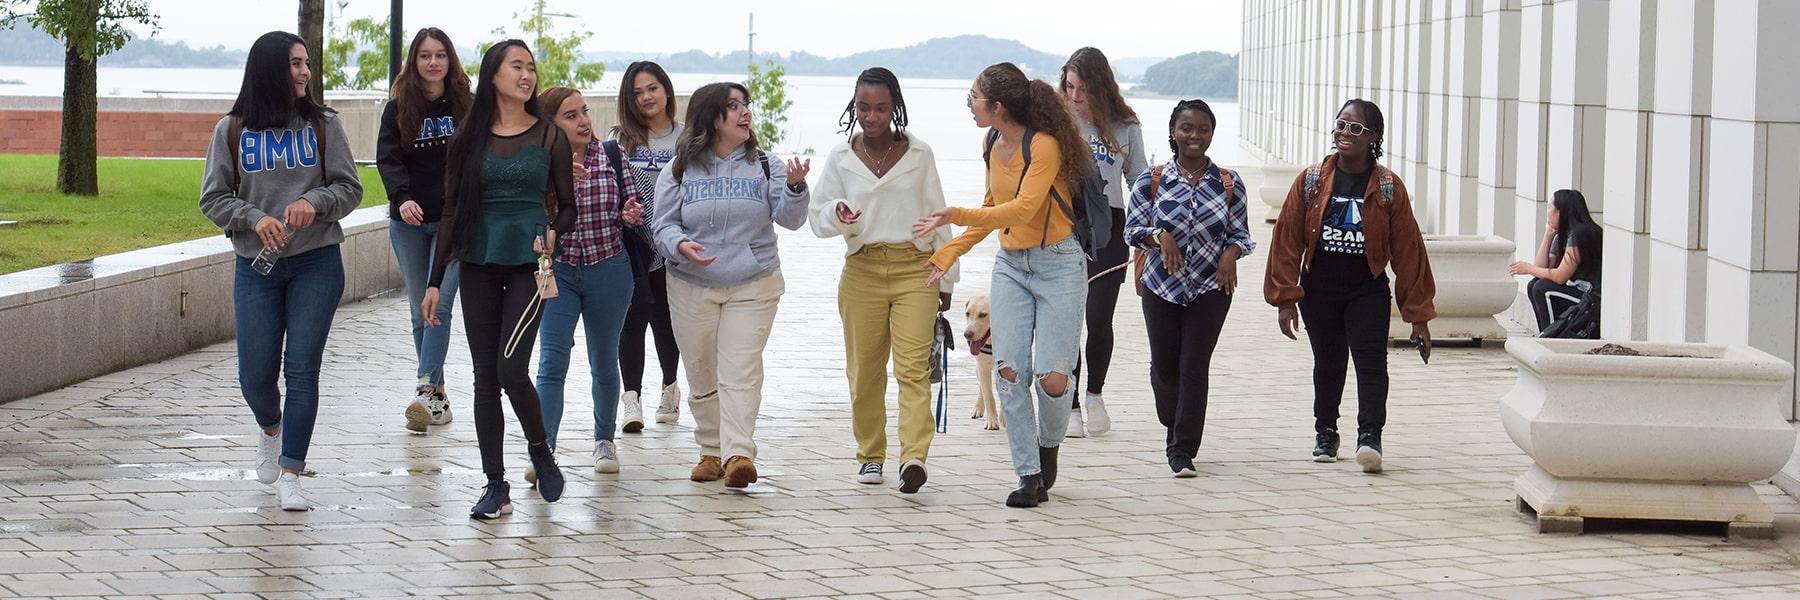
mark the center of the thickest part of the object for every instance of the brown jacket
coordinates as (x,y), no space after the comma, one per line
(1390,236)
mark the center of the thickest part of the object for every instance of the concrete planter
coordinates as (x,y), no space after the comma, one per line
(1472,287)
(1276,181)
(1677,434)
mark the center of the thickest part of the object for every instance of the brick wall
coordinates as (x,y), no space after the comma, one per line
(120,133)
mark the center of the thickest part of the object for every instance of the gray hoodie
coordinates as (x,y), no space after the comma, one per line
(1119,167)
(277,167)
(731,208)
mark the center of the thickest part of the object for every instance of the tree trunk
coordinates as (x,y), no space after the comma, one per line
(75,158)
(312,29)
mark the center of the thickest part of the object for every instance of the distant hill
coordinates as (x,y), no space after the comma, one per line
(1204,74)
(960,57)
(24,45)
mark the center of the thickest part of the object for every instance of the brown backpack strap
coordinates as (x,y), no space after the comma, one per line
(1155,180)
(1230,185)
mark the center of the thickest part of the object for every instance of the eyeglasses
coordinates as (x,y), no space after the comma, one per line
(973,97)
(734,105)
(1351,127)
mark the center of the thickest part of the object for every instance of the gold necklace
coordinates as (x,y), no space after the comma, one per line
(884,155)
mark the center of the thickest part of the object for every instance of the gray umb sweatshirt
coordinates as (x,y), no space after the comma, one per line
(277,167)
(730,207)
(1119,167)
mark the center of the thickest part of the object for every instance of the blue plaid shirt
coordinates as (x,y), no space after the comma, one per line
(1201,220)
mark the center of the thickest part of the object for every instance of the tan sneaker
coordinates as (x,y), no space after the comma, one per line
(708,469)
(739,472)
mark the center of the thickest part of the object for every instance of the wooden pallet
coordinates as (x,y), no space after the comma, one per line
(1735,530)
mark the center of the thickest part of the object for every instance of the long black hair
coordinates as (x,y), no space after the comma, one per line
(1184,106)
(704,108)
(1574,222)
(266,100)
(884,78)
(1376,123)
(462,163)
(632,131)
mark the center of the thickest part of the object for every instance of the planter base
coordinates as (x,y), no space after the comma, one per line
(1452,328)
(1559,499)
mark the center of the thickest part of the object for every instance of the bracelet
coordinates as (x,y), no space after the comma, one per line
(797,187)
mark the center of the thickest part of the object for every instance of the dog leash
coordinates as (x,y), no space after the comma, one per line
(943,404)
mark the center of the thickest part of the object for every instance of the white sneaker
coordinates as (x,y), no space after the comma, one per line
(606,457)
(287,491)
(669,410)
(1369,458)
(1098,423)
(268,455)
(418,412)
(631,412)
(1077,425)
(439,405)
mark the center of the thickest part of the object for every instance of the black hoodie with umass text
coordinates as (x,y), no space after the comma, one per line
(414,169)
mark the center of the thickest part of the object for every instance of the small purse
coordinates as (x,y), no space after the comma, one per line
(546,275)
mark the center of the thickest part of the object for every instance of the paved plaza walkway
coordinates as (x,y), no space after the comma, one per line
(137,484)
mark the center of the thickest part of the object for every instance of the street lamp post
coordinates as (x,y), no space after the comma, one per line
(395,30)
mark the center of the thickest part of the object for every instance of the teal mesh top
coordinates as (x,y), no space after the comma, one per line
(522,182)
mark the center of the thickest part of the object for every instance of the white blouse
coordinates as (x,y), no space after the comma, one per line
(890,204)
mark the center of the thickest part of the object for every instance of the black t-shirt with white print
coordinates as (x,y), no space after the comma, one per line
(1340,260)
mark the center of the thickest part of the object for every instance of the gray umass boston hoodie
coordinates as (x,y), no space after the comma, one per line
(731,207)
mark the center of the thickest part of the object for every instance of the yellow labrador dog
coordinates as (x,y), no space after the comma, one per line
(978,333)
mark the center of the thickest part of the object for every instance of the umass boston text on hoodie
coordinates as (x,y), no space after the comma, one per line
(730,207)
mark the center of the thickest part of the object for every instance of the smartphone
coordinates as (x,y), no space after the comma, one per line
(1424,352)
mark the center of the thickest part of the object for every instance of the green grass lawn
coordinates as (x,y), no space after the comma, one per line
(142,203)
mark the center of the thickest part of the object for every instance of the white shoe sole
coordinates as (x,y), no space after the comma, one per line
(418,418)
(1186,474)
(1324,459)
(667,417)
(504,510)
(869,479)
(608,466)
(912,477)
(1369,459)
(531,475)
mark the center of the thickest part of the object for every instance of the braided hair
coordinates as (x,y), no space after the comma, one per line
(1184,106)
(885,78)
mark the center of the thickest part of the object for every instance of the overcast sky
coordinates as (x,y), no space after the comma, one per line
(826,28)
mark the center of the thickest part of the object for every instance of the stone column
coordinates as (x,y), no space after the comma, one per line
(1536,56)
(1630,91)
(1499,108)
(1676,308)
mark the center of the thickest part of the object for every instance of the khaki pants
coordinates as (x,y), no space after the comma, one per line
(886,308)
(722,332)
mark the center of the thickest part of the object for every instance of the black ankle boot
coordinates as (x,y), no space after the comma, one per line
(1047,468)
(1031,487)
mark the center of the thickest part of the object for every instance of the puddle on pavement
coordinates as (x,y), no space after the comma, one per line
(227,474)
(56,526)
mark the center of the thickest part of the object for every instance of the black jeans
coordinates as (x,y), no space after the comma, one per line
(1549,299)
(1102,300)
(652,313)
(493,300)
(1182,339)
(1345,322)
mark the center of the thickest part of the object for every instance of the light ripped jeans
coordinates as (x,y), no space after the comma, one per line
(1038,296)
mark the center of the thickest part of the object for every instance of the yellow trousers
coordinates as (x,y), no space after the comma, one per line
(888,311)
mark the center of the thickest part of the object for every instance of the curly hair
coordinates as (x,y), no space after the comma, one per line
(1105,104)
(1037,106)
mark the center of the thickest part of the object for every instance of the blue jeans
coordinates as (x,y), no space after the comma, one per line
(293,304)
(415,247)
(598,295)
(1038,296)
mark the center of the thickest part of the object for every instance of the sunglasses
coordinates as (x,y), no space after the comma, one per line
(1351,127)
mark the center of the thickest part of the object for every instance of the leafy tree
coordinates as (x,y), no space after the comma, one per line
(1207,74)
(362,43)
(559,61)
(88,29)
(312,29)
(769,102)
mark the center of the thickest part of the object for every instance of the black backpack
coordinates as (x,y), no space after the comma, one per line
(1581,321)
(637,249)
(1089,213)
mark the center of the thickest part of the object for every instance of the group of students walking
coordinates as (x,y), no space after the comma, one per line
(504,195)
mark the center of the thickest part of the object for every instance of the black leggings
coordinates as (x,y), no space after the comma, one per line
(1102,299)
(1549,299)
(493,299)
(1182,339)
(1342,323)
(652,314)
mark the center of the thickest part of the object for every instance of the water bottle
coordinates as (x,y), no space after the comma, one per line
(265,260)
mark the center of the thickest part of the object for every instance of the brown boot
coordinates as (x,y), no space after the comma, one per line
(739,472)
(708,469)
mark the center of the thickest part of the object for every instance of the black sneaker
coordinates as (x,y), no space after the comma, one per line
(496,500)
(1325,446)
(1183,468)
(869,474)
(549,476)
(1368,451)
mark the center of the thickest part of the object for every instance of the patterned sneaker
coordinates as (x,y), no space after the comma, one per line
(1098,423)
(606,457)
(1325,446)
(870,473)
(631,412)
(268,455)
(496,500)
(669,410)
(418,413)
(287,491)
(1077,425)
(439,405)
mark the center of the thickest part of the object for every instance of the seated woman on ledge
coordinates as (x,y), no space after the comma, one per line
(1567,263)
